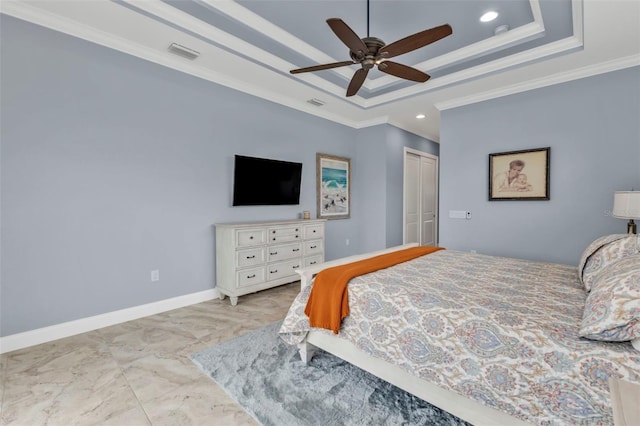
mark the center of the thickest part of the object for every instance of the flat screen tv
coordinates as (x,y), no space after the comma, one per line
(265,182)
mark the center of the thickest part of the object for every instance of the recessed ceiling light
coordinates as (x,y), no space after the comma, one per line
(489,16)
(420,116)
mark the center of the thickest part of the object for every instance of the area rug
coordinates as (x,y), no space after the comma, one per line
(267,378)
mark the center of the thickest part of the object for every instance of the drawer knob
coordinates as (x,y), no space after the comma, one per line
(314,247)
(314,231)
(296,267)
(251,257)
(313,263)
(274,238)
(274,253)
(296,249)
(274,271)
(251,237)
(251,276)
(273,232)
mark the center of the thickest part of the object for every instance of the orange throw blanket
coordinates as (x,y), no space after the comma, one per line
(328,302)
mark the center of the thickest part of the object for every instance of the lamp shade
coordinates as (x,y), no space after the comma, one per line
(626,204)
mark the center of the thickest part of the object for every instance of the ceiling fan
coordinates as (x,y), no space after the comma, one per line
(370,51)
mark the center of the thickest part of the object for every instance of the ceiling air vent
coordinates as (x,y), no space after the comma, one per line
(316,102)
(183,51)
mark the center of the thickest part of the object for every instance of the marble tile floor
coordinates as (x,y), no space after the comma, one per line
(135,373)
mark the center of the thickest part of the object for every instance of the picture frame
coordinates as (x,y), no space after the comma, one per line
(520,175)
(333,186)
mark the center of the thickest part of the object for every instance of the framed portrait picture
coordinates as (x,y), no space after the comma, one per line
(333,176)
(519,175)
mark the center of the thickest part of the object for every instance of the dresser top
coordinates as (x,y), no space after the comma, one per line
(269,223)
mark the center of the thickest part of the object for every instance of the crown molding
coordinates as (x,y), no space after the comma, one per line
(558,78)
(424,134)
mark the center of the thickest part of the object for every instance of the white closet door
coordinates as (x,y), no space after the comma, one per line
(428,198)
(420,197)
(412,198)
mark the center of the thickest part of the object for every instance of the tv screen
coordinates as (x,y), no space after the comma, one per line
(266,182)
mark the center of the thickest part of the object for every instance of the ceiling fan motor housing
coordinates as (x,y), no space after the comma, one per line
(368,59)
(373,46)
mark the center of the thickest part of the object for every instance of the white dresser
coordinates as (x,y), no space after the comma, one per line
(253,256)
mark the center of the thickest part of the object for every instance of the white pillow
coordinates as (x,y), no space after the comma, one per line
(612,309)
(602,252)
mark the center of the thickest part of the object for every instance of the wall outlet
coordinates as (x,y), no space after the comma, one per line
(346,242)
(155,275)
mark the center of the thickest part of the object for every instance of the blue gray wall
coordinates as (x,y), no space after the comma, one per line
(397,139)
(593,129)
(380,155)
(112,166)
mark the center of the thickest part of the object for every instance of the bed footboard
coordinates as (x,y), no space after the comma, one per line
(306,351)
(469,410)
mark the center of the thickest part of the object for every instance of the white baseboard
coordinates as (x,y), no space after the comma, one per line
(71,328)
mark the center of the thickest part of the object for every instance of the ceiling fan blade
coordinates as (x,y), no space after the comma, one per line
(322,67)
(415,41)
(403,71)
(347,36)
(357,81)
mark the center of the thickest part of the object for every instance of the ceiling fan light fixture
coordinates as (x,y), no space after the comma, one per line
(489,16)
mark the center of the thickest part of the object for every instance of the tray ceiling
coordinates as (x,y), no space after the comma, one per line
(252,45)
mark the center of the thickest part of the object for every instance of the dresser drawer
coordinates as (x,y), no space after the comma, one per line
(283,269)
(284,251)
(250,237)
(284,234)
(254,256)
(313,260)
(313,247)
(313,231)
(250,257)
(248,277)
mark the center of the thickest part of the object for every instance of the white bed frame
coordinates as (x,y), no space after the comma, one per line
(460,406)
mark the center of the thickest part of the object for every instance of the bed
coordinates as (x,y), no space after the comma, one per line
(492,340)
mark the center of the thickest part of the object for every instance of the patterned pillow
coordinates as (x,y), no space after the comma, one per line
(602,252)
(612,309)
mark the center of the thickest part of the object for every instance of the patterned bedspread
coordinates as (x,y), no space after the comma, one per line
(498,330)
